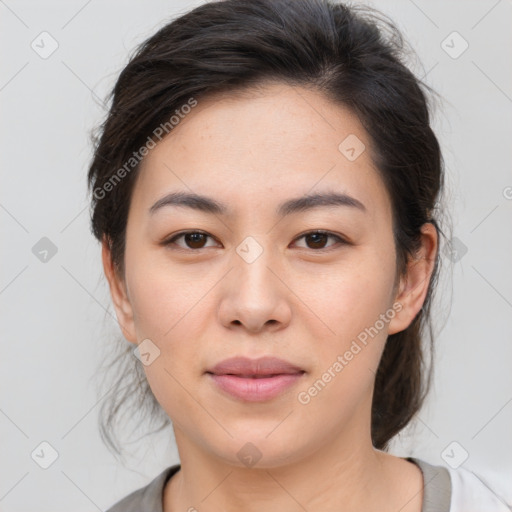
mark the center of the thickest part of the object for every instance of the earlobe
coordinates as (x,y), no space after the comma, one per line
(415,283)
(120,299)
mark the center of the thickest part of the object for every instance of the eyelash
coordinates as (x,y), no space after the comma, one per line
(340,240)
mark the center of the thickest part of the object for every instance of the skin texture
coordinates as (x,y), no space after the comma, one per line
(297,301)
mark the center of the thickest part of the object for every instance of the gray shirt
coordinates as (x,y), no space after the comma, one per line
(436,490)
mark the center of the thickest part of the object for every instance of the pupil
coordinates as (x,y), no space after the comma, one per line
(317,241)
(194,238)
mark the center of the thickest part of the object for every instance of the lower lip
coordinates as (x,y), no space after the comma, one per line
(255,390)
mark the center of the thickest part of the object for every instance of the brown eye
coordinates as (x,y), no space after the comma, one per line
(193,240)
(317,239)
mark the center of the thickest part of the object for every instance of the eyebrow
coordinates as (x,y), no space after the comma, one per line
(291,206)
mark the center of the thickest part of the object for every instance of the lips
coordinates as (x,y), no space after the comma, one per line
(255,368)
(254,380)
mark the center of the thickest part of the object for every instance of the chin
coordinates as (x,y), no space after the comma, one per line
(256,449)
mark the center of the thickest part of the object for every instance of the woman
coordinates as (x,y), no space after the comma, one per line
(266,191)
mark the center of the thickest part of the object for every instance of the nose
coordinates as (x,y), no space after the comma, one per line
(254,295)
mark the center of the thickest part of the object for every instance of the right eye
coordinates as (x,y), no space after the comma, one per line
(195,240)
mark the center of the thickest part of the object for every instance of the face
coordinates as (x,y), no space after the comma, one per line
(248,275)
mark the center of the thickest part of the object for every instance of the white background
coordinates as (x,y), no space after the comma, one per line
(56,316)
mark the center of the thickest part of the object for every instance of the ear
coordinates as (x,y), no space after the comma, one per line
(414,285)
(122,305)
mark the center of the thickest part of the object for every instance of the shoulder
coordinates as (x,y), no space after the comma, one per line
(462,488)
(147,498)
(437,486)
(472,492)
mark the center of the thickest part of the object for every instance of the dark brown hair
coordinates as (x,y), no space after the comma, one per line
(352,55)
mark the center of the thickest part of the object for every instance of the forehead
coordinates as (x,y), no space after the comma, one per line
(264,145)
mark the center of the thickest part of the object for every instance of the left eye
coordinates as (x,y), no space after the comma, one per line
(196,239)
(318,238)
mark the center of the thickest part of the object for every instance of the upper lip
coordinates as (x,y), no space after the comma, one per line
(247,367)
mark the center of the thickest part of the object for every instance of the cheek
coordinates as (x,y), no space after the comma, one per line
(163,297)
(347,360)
(173,310)
(170,312)
(349,299)
(355,304)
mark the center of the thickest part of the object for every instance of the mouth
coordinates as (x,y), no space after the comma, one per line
(261,367)
(259,388)
(264,376)
(254,380)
